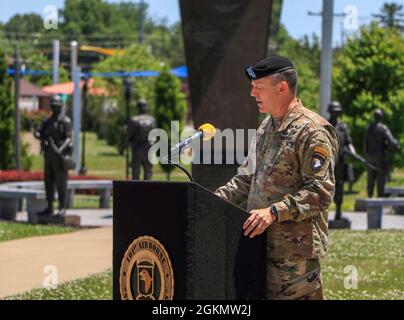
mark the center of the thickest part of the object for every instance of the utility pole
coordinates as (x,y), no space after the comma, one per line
(326,55)
(73,57)
(56,55)
(17,109)
(142,18)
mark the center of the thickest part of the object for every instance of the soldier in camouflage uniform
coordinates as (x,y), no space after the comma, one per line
(55,136)
(138,136)
(291,185)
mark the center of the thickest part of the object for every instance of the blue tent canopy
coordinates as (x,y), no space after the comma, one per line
(180,72)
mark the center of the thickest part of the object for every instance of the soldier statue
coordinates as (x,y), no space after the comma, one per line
(55,136)
(378,140)
(138,136)
(346,148)
(343,169)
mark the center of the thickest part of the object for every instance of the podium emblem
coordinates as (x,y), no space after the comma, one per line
(146,271)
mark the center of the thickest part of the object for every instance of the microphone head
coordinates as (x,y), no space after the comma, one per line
(208,131)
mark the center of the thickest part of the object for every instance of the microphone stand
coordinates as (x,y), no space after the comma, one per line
(167,157)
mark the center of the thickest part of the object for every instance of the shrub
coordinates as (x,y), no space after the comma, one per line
(32,119)
(6,117)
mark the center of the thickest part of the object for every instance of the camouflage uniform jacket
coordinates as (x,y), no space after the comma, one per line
(295,172)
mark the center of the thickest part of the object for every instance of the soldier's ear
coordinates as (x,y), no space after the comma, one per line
(283,87)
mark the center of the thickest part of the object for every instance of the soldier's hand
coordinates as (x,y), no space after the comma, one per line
(258,221)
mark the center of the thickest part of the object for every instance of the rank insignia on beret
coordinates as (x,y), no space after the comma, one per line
(251,72)
(319,156)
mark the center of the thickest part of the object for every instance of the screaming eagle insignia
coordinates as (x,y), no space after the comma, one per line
(318,159)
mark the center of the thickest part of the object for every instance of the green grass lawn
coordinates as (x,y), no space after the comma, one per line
(12,231)
(377,256)
(95,287)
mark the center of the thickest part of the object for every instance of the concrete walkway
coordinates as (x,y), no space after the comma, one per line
(359,220)
(89,217)
(75,255)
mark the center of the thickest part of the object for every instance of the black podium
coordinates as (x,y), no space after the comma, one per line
(177,240)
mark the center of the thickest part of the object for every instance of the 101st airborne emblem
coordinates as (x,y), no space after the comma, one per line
(146,271)
(318,159)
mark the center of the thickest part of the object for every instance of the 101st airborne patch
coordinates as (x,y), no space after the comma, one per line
(320,154)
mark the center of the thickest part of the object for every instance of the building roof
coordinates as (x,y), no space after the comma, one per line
(68,88)
(28,89)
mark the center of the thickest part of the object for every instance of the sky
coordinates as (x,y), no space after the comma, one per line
(294,12)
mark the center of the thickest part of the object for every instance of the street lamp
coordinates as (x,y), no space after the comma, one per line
(17,147)
(128,85)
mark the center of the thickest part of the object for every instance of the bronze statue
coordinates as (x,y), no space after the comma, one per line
(346,148)
(55,136)
(138,136)
(343,169)
(378,140)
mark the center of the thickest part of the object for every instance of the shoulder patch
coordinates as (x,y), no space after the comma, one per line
(318,158)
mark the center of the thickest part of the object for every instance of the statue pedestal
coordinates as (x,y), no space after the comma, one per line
(342,223)
(67,220)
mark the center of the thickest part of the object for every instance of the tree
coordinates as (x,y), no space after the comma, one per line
(305,54)
(35,61)
(369,74)
(134,58)
(391,16)
(97,23)
(167,43)
(6,117)
(169,106)
(102,23)
(23,24)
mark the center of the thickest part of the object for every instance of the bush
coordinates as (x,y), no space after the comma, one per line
(170,106)
(6,117)
(32,119)
(368,74)
(134,58)
(26,158)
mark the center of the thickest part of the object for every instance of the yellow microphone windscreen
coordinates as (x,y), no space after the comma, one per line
(208,130)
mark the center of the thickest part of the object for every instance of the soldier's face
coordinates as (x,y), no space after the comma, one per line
(266,94)
(56,109)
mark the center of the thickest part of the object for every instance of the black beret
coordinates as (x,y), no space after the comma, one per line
(268,66)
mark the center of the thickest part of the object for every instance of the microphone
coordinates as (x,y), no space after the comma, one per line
(205,131)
